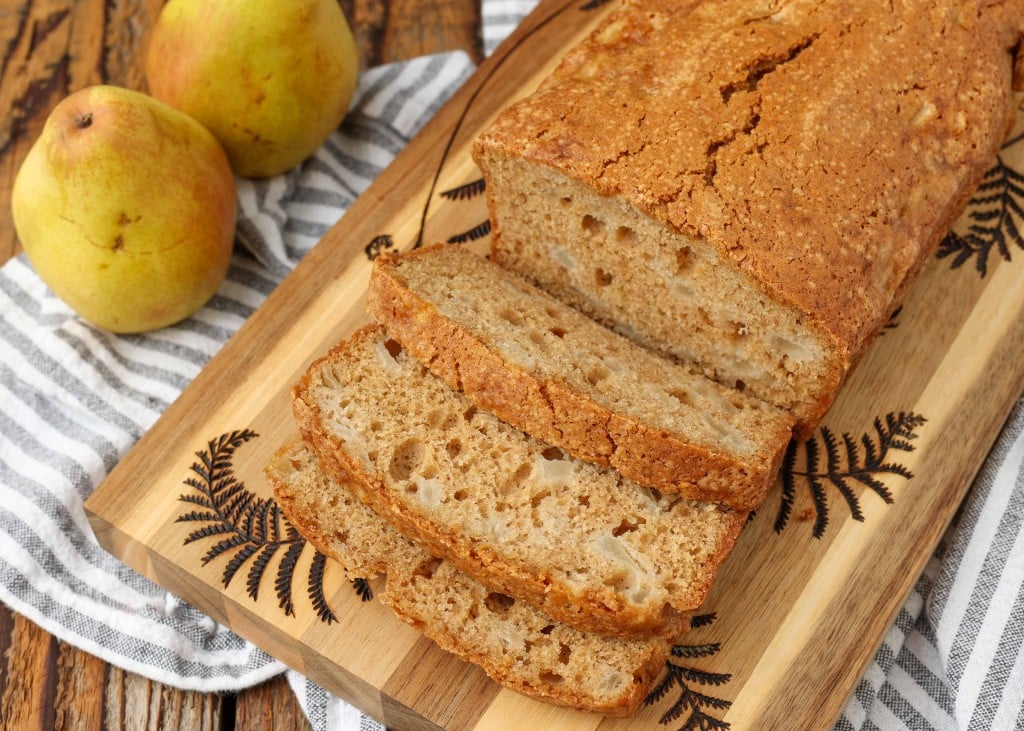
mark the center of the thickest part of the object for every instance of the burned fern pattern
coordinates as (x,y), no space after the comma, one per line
(477,232)
(250,530)
(996,215)
(848,462)
(464,192)
(378,246)
(696,705)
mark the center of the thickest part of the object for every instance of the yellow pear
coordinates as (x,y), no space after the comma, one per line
(270,79)
(126,209)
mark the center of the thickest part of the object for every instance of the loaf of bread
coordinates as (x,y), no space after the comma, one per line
(750,185)
(515,644)
(588,547)
(554,373)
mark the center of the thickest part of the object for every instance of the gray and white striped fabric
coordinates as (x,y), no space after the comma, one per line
(74,399)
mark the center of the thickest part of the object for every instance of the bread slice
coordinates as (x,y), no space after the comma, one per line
(580,542)
(752,186)
(515,644)
(556,374)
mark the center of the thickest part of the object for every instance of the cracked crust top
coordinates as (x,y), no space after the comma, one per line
(823,146)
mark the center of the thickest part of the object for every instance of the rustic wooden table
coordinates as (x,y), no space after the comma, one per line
(49,48)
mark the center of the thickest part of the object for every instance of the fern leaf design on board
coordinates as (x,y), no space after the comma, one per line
(378,245)
(464,192)
(251,530)
(893,322)
(696,703)
(477,232)
(996,213)
(848,462)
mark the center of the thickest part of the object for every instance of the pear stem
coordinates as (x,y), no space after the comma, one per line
(83,120)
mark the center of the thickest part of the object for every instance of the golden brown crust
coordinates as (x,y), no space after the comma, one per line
(554,412)
(605,613)
(820,146)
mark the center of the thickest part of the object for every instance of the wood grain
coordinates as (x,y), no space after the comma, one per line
(400,29)
(80,693)
(815,579)
(48,49)
(31,663)
(133,702)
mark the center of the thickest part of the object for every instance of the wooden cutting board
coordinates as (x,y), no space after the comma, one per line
(815,580)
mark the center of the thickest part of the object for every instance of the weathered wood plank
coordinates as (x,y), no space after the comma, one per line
(79,698)
(6,638)
(270,705)
(395,30)
(30,663)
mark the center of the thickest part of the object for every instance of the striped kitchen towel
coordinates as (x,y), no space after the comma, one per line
(74,399)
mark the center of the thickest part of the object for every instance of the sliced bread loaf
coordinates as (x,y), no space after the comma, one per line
(752,186)
(590,548)
(556,374)
(515,644)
